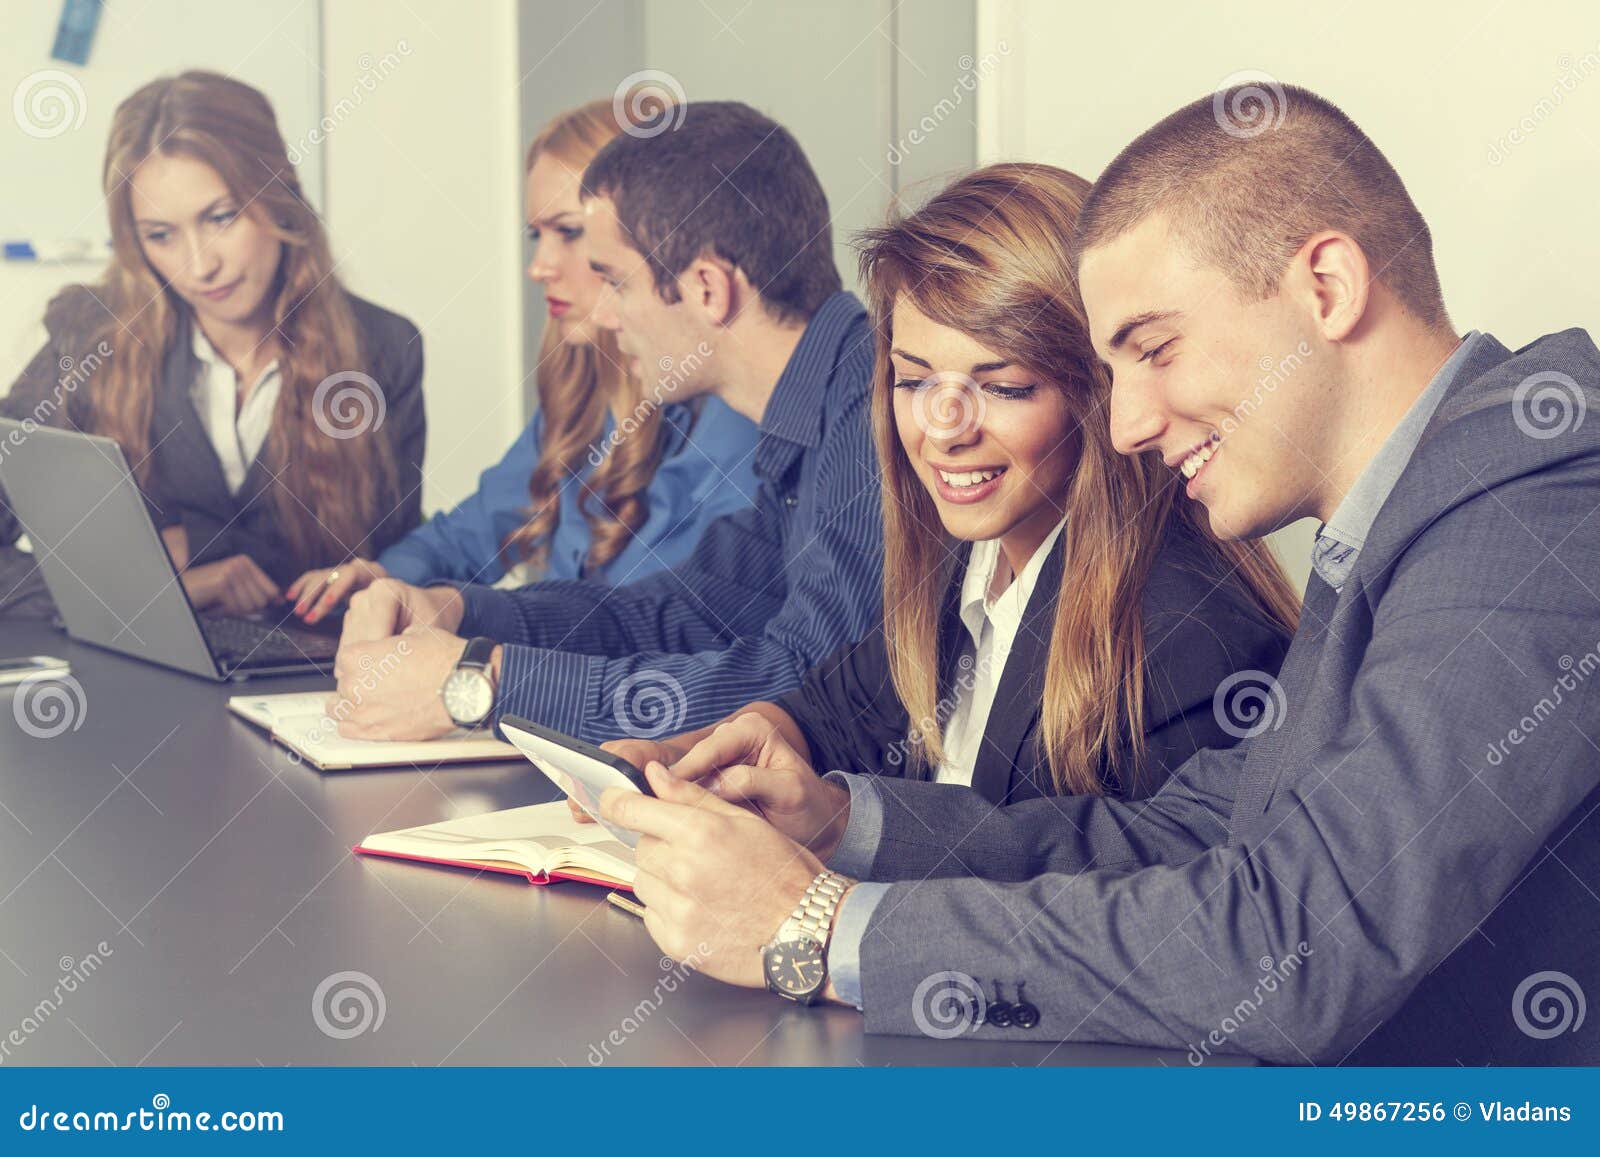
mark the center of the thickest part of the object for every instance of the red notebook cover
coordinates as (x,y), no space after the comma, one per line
(537,878)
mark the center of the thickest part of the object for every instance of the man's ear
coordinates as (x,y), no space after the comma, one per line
(711,285)
(1331,275)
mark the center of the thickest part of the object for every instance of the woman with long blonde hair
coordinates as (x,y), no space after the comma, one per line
(273,419)
(1054,622)
(612,480)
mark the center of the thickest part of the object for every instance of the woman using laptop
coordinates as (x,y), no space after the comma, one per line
(611,480)
(1053,618)
(273,420)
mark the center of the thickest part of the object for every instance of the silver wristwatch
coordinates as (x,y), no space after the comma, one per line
(468,692)
(795,962)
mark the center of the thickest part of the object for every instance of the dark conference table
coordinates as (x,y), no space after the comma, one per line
(239,928)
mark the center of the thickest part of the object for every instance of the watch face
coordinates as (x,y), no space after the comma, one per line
(795,967)
(468,697)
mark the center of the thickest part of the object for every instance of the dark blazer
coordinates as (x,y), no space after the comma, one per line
(185,484)
(1200,626)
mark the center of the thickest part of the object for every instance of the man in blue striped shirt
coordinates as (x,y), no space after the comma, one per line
(712,234)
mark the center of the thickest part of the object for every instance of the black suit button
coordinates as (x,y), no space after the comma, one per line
(1023,1014)
(999,1011)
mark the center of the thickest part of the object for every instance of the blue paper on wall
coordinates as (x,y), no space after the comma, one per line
(75,32)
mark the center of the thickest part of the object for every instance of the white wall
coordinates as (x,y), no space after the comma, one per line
(425,206)
(1490,112)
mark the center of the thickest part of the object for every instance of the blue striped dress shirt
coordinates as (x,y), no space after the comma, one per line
(767,592)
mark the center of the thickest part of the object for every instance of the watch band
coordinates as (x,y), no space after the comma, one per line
(813,916)
(478,653)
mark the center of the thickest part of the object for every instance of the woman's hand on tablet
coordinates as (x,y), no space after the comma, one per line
(748,761)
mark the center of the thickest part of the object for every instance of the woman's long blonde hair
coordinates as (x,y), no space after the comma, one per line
(329,493)
(579,385)
(989,256)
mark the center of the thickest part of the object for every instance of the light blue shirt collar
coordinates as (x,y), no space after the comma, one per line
(1340,539)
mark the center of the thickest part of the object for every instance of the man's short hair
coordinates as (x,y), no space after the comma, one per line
(724,181)
(1247,175)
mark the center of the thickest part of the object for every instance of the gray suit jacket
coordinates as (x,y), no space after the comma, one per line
(1403,866)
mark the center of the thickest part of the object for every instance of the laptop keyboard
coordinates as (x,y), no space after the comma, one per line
(248,643)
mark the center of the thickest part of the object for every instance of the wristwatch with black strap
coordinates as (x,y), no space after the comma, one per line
(795,961)
(468,691)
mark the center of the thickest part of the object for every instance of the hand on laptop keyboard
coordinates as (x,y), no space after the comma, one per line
(233,586)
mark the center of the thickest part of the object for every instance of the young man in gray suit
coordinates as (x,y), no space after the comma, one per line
(1401,862)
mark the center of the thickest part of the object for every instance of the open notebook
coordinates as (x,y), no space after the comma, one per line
(542,843)
(298,721)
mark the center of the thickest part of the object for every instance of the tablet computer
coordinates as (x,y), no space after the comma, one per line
(580,769)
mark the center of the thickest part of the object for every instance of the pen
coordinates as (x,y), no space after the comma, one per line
(627,904)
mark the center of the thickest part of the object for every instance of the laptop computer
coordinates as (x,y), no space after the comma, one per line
(109,572)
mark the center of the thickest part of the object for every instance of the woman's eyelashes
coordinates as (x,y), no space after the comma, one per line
(568,233)
(221,218)
(1002,390)
(1154,352)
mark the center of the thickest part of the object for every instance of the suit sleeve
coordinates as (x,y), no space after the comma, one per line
(1201,657)
(847,709)
(1379,851)
(740,621)
(407,422)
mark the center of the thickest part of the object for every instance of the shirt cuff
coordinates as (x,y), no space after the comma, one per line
(849,929)
(858,847)
(487,611)
(547,687)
